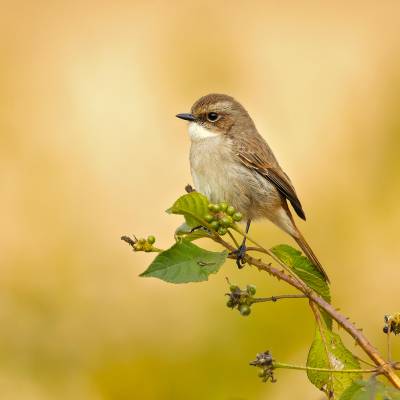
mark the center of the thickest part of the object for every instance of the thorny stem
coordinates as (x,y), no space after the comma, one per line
(341,371)
(384,367)
(269,253)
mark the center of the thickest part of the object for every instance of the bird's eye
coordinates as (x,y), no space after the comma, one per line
(212,116)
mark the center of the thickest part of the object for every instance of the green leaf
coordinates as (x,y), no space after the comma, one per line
(307,272)
(372,389)
(184,231)
(328,351)
(185,262)
(193,206)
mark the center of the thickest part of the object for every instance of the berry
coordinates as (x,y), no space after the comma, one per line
(223,206)
(147,247)
(230,210)
(208,217)
(237,216)
(214,225)
(261,373)
(226,221)
(244,310)
(385,329)
(216,208)
(234,288)
(142,241)
(151,239)
(222,231)
(230,303)
(138,246)
(251,290)
(210,207)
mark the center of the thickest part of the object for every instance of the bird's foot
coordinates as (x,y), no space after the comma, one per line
(240,255)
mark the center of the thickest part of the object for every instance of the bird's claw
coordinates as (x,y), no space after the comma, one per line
(240,256)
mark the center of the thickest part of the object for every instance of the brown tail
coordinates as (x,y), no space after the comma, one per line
(310,254)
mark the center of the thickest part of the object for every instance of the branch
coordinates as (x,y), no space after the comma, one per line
(276,298)
(384,367)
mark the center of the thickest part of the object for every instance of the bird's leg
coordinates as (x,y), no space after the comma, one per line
(241,251)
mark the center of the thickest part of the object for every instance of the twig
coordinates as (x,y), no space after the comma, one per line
(128,240)
(281,296)
(384,368)
(233,238)
(389,351)
(262,249)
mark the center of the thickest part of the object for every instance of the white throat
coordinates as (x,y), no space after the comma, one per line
(198,132)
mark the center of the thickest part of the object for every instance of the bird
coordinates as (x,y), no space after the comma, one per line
(230,161)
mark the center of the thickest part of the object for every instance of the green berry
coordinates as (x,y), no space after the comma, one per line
(151,239)
(216,208)
(261,373)
(234,288)
(226,221)
(237,216)
(138,246)
(244,310)
(222,231)
(142,241)
(210,206)
(214,225)
(147,247)
(208,217)
(251,290)
(230,210)
(230,303)
(223,206)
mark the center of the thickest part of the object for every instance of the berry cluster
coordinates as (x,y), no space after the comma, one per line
(221,217)
(392,324)
(265,363)
(241,299)
(144,244)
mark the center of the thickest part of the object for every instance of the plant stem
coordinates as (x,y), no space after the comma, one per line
(384,367)
(233,238)
(262,249)
(342,371)
(281,296)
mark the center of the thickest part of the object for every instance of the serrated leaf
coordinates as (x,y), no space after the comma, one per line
(307,272)
(193,206)
(185,262)
(328,351)
(303,267)
(184,231)
(372,389)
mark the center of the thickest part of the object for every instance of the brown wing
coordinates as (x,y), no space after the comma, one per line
(271,171)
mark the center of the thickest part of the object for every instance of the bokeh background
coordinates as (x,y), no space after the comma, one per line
(90,149)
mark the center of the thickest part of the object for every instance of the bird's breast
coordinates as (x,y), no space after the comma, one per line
(209,162)
(219,175)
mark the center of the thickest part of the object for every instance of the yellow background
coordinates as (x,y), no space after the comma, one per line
(90,149)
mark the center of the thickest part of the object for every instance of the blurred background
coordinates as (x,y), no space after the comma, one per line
(90,149)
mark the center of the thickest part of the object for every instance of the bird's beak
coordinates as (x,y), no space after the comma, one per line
(187,117)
